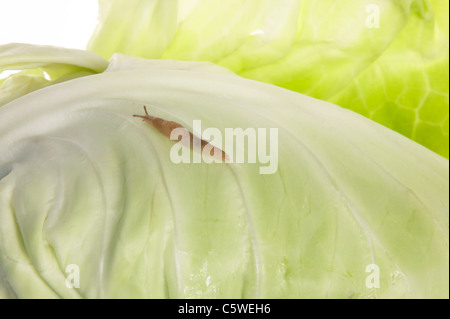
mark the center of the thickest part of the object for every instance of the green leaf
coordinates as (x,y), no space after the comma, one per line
(42,65)
(396,74)
(83,182)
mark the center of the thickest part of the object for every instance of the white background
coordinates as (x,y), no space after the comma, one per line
(65,23)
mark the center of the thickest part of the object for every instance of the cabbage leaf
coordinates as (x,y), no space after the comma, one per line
(385,59)
(31,67)
(83,182)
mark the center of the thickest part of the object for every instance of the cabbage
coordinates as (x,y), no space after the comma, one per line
(33,67)
(91,205)
(385,59)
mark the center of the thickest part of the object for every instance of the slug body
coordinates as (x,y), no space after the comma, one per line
(166,128)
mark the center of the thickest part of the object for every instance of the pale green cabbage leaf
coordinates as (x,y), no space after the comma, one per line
(396,74)
(83,182)
(31,67)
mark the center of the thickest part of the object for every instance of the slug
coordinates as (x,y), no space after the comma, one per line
(166,128)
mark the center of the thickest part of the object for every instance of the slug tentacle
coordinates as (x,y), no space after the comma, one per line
(146,117)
